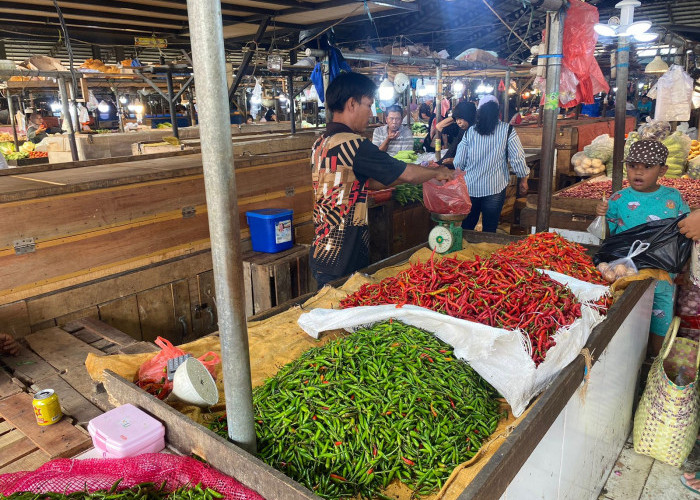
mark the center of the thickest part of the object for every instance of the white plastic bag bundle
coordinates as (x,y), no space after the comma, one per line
(256,99)
(674,95)
(585,166)
(502,357)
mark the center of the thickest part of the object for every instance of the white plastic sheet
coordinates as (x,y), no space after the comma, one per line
(502,357)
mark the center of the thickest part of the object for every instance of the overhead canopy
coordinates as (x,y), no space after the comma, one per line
(508,27)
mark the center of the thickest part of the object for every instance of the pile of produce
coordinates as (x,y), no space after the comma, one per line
(693,170)
(585,166)
(689,188)
(694,149)
(406,156)
(408,193)
(18,155)
(419,128)
(164,125)
(494,292)
(554,252)
(145,491)
(388,402)
(38,154)
(678,145)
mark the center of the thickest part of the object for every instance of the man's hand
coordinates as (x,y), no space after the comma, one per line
(392,135)
(8,345)
(690,226)
(601,209)
(445,174)
(523,187)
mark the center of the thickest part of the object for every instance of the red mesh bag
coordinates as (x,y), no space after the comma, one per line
(450,198)
(68,476)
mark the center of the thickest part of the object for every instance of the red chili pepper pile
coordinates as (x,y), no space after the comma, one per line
(495,292)
(552,251)
(594,190)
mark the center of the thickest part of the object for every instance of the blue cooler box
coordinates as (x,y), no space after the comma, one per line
(270,229)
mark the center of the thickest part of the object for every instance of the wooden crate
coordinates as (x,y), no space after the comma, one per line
(274,278)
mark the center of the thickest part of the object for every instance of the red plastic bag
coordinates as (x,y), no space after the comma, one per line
(153,374)
(579,45)
(451,198)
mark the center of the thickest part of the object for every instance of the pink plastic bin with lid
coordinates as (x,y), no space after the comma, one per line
(126,431)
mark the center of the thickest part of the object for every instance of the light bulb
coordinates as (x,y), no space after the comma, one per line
(605,30)
(488,88)
(640,85)
(637,28)
(457,87)
(122,100)
(55,106)
(103,107)
(282,98)
(138,108)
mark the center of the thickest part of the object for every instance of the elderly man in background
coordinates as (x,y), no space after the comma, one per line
(393,137)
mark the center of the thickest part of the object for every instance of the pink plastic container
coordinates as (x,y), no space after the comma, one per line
(126,431)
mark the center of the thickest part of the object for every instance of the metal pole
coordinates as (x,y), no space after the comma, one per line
(506,99)
(207,41)
(438,111)
(623,57)
(555,37)
(290,93)
(66,114)
(73,105)
(171,102)
(11,111)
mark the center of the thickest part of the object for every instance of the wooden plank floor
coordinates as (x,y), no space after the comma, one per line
(638,477)
(23,444)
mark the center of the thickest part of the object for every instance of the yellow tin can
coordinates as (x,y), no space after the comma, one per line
(46,407)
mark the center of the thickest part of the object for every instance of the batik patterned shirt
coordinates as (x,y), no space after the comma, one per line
(342,163)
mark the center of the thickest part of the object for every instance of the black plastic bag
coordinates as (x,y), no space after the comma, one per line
(668,250)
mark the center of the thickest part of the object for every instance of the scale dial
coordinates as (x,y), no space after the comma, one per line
(440,239)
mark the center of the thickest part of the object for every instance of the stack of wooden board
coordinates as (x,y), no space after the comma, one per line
(91,225)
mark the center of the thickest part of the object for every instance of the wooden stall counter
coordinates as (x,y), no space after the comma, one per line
(556,450)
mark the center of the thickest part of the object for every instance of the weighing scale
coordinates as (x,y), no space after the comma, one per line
(446,237)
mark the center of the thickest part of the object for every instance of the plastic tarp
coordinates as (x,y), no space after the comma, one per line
(500,356)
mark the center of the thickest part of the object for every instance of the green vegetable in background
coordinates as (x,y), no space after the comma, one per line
(408,193)
(387,402)
(406,156)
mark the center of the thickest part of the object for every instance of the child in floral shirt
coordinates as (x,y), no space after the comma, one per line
(644,201)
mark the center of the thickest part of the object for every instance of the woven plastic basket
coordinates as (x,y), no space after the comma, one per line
(666,423)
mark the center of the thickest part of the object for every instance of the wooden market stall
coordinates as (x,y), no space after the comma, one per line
(557,449)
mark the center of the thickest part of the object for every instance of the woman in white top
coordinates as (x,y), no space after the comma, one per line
(483,155)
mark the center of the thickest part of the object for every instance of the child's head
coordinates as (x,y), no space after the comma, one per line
(646,162)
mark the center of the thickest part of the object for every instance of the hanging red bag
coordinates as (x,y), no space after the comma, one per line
(450,198)
(153,374)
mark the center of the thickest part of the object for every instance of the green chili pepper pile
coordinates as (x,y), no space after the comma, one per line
(388,402)
(408,193)
(143,491)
